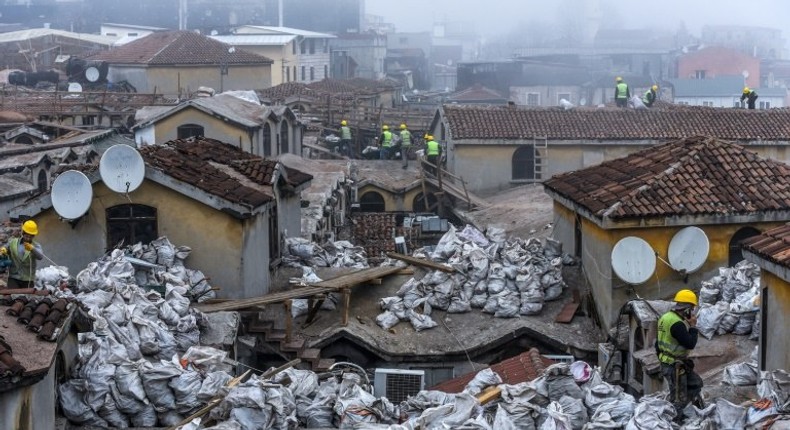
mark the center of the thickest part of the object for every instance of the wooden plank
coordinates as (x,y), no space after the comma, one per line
(346,306)
(457,193)
(488,395)
(421,262)
(567,313)
(212,403)
(359,277)
(315,305)
(323,150)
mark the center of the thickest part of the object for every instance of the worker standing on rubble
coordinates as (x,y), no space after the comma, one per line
(345,138)
(621,93)
(750,96)
(386,143)
(432,152)
(23,254)
(405,145)
(650,96)
(677,335)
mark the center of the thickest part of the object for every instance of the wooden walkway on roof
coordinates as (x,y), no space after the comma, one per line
(342,282)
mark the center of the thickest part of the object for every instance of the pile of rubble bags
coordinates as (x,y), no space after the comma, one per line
(506,278)
(302,252)
(730,302)
(138,363)
(773,392)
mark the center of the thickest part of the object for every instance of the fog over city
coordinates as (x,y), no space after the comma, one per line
(502,16)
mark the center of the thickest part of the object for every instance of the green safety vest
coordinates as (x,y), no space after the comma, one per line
(648,96)
(669,348)
(405,136)
(387,139)
(22,268)
(433,148)
(345,132)
(622,91)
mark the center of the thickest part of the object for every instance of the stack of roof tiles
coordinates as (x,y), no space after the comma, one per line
(42,316)
(374,231)
(694,176)
(524,367)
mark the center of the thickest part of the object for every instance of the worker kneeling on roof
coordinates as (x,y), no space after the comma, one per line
(677,335)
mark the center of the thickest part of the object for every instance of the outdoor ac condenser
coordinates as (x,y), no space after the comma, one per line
(397,384)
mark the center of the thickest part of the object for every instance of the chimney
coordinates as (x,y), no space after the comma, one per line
(280,12)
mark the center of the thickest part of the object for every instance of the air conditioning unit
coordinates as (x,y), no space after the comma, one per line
(398,384)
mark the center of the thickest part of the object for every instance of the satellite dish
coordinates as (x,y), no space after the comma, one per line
(583,102)
(71,194)
(633,260)
(688,249)
(75,87)
(122,168)
(92,74)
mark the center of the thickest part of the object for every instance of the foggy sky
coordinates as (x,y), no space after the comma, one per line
(500,16)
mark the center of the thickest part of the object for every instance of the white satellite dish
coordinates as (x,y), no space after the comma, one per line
(122,168)
(92,74)
(688,249)
(633,260)
(75,87)
(71,194)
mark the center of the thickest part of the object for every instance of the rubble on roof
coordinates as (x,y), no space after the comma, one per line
(730,302)
(506,278)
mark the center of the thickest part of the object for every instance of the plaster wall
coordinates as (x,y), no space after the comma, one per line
(775,321)
(174,80)
(283,58)
(393,202)
(166,129)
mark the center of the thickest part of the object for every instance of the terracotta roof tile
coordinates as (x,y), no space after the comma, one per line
(279,93)
(178,47)
(521,368)
(694,176)
(220,169)
(773,245)
(506,122)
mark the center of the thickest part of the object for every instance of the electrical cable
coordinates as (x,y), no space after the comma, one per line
(468,358)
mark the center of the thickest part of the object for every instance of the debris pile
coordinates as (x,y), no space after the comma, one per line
(730,302)
(302,252)
(131,368)
(506,278)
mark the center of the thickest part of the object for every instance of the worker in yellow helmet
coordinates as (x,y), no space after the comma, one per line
(345,138)
(385,143)
(750,96)
(621,92)
(22,254)
(677,336)
(650,96)
(405,145)
(433,152)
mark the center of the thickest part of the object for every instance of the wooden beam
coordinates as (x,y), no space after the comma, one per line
(213,403)
(269,373)
(315,305)
(346,306)
(421,262)
(288,304)
(488,395)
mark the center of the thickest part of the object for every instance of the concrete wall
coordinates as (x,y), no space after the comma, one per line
(33,407)
(214,127)
(609,291)
(178,80)
(487,165)
(368,52)
(775,321)
(217,239)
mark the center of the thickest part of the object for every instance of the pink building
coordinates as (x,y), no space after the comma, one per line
(715,62)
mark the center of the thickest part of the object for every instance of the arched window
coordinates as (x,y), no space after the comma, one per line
(24,139)
(524,163)
(267,140)
(736,252)
(284,137)
(418,204)
(129,224)
(42,181)
(190,130)
(371,202)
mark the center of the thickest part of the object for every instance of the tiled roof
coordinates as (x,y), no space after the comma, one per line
(49,102)
(218,168)
(334,86)
(512,123)
(476,92)
(773,245)
(178,47)
(694,176)
(286,90)
(521,368)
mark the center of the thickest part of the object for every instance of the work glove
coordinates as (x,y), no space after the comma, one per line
(3,251)
(28,246)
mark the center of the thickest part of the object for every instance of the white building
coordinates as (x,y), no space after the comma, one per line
(724,91)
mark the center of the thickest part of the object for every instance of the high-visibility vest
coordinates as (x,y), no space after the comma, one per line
(345,132)
(23,267)
(387,139)
(405,136)
(648,97)
(622,91)
(433,148)
(669,348)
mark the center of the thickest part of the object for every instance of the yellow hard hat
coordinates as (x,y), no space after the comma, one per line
(30,227)
(686,296)
(655,87)
(745,90)
(343,123)
(429,137)
(618,79)
(386,127)
(403,126)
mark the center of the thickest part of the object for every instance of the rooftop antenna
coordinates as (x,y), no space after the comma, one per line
(633,260)
(122,168)
(71,195)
